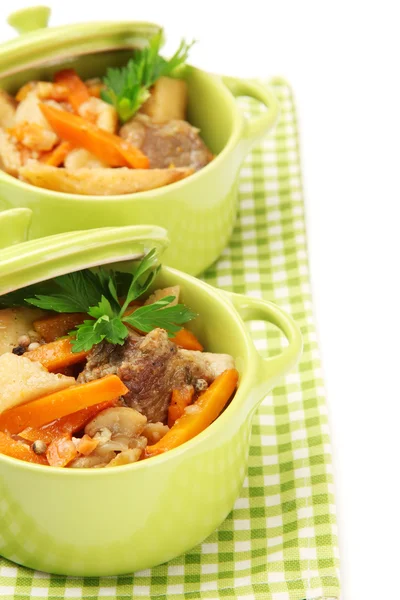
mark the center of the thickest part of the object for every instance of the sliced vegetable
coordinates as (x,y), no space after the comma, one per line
(16,449)
(56,355)
(47,409)
(186,339)
(56,157)
(199,415)
(66,426)
(81,133)
(56,326)
(22,381)
(181,398)
(87,444)
(78,93)
(168,100)
(61,452)
(100,180)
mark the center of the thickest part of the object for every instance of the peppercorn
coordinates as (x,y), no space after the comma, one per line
(39,447)
(19,350)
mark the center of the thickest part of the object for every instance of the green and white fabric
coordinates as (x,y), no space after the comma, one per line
(280,541)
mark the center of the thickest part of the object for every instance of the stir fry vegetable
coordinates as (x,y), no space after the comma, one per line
(112,376)
(120,134)
(81,133)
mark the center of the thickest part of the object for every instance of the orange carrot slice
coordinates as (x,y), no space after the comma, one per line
(11,447)
(110,148)
(57,156)
(181,398)
(62,403)
(56,355)
(78,93)
(51,328)
(199,415)
(186,339)
(61,452)
(65,426)
(87,444)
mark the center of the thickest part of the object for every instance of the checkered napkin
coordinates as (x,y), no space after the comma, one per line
(279,542)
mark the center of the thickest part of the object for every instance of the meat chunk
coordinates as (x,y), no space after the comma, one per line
(210,363)
(151,367)
(175,143)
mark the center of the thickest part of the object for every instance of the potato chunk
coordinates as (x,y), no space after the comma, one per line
(101,182)
(28,111)
(22,380)
(174,290)
(7,110)
(168,100)
(99,112)
(10,158)
(79,158)
(15,322)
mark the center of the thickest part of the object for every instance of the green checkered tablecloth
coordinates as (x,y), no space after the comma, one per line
(279,542)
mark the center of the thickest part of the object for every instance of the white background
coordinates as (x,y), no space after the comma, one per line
(342,59)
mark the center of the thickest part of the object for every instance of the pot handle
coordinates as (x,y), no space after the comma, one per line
(271,369)
(14,226)
(256,127)
(29,19)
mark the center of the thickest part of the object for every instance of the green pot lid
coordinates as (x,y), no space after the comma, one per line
(38,44)
(29,262)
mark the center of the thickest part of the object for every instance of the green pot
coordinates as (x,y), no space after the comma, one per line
(199,212)
(123,519)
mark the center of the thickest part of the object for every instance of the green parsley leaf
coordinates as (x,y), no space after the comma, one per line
(103,308)
(96,292)
(86,337)
(58,303)
(127,87)
(139,282)
(159,314)
(93,332)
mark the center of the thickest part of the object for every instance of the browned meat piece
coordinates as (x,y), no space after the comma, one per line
(151,367)
(174,143)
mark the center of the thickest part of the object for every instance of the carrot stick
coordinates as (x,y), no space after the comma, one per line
(200,415)
(65,426)
(186,339)
(57,156)
(56,355)
(181,398)
(51,328)
(78,93)
(61,452)
(82,133)
(62,403)
(11,447)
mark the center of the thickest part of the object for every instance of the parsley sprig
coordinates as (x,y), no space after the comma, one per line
(127,88)
(97,293)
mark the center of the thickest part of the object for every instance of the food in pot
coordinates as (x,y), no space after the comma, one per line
(123,134)
(96,371)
